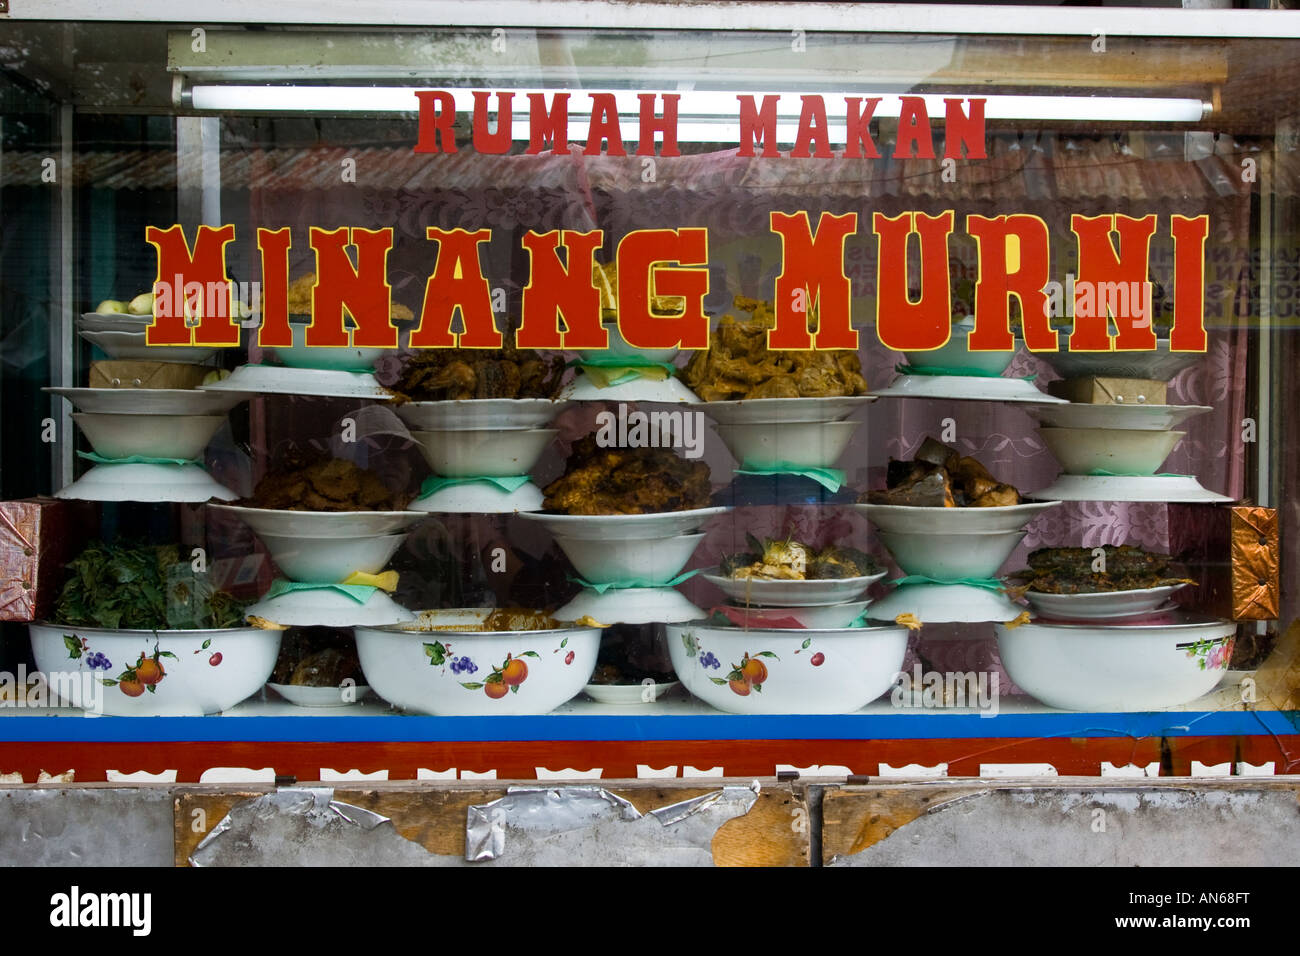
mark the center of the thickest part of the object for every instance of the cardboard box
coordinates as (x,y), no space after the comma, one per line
(38,536)
(1101,390)
(1233,554)
(140,374)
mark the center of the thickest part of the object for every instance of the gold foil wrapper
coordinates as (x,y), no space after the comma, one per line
(1256,581)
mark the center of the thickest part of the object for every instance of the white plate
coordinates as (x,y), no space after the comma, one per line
(273,380)
(323,524)
(1139,417)
(320,696)
(1101,605)
(792,593)
(1101,667)
(627,695)
(902,519)
(143,481)
(131,346)
(630,606)
(965,388)
(150,401)
(664,524)
(329,608)
(1161,365)
(113,322)
(480,414)
(946,604)
(1170,488)
(761,411)
(668,392)
(480,497)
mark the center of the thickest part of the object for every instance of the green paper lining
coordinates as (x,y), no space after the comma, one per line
(963,372)
(635,368)
(507,483)
(620,361)
(358,592)
(832,479)
(988,584)
(1103,473)
(632,582)
(138,460)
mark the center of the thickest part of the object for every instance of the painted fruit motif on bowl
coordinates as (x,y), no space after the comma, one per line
(501,679)
(768,671)
(478,661)
(148,673)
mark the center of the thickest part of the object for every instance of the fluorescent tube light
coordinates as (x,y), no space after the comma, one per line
(703,115)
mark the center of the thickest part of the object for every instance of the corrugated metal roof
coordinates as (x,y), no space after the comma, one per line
(1076,168)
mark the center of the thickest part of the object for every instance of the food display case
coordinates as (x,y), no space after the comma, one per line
(573,392)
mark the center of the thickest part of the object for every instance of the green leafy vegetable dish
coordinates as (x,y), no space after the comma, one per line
(142,587)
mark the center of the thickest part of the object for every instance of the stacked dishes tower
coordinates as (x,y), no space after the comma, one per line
(481,451)
(1113,451)
(148,447)
(1118,650)
(629,564)
(955,372)
(787,447)
(954,555)
(343,372)
(785,646)
(148,442)
(333,561)
(624,373)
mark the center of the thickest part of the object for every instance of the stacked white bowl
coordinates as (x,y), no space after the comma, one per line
(765,433)
(325,548)
(947,545)
(669,390)
(481,438)
(122,336)
(1114,452)
(610,552)
(168,427)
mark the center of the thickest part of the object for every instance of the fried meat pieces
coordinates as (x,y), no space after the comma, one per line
(941,477)
(627,481)
(738,364)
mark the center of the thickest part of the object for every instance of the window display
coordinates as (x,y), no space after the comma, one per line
(726,400)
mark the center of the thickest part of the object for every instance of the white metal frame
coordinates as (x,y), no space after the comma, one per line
(688,15)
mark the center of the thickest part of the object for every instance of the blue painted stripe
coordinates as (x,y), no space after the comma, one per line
(398,728)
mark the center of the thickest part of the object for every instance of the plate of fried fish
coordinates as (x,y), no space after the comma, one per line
(1094,584)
